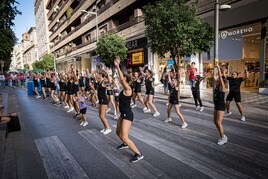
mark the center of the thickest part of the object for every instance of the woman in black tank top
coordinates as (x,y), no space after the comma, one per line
(174,101)
(137,90)
(149,95)
(103,101)
(126,117)
(219,103)
(75,91)
(62,85)
(43,85)
(36,85)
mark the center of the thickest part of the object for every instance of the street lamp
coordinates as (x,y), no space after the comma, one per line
(97,23)
(218,7)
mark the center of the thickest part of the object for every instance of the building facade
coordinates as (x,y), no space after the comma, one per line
(30,49)
(17,57)
(41,23)
(73,34)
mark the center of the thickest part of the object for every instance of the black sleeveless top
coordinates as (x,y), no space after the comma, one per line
(138,86)
(86,81)
(101,92)
(124,102)
(219,96)
(173,96)
(148,84)
(81,80)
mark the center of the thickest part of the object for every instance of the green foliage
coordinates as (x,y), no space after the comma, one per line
(8,13)
(26,66)
(173,26)
(110,46)
(69,12)
(46,62)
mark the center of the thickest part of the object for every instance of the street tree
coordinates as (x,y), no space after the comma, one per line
(46,62)
(110,46)
(173,26)
(8,13)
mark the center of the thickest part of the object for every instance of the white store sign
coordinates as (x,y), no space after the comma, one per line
(225,34)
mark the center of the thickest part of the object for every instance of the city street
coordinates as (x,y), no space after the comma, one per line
(52,144)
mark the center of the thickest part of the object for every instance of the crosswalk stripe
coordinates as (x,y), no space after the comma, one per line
(201,163)
(57,160)
(228,129)
(227,119)
(118,158)
(244,153)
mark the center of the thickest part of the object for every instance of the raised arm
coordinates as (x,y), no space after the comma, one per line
(121,76)
(220,77)
(246,72)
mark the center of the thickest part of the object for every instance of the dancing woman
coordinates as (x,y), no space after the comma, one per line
(126,117)
(110,95)
(36,85)
(219,104)
(103,101)
(174,101)
(116,90)
(137,90)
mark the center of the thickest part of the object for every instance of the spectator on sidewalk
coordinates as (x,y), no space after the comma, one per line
(2,80)
(192,73)
(164,80)
(196,92)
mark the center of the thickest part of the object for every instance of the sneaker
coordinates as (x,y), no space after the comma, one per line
(76,115)
(184,125)
(168,120)
(108,110)
(156,114)
(66,107)
(227,114)
(101,131)
(222,140)
(243,118)
(167,104)
(38,97)
(107,131)
(45,98)
(82,123)
(123,146)
(179,104)
(131,103)
(133,106)
(115,114)
(70,110)
(85,124)
(97,102)
(144,109)
(197,108)
(116,117)
(136,158)
(201,109)
(147,111)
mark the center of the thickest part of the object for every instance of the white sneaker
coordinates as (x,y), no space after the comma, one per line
(184,125)
(66,107)
(108,110)
(107,131)
(38,97)
(167,104)
(85,124)
(156,114)
(133,106)
(197,108)
(147,111)
(144,109)
(116,117)
(179,104)
(168,120)
(101,131)
(222,140)
(70,110)
(131,103)
(82,123)
(243,118)
(97,102)
(227,114)
(202,109)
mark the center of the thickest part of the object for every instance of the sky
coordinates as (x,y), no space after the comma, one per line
(26,20)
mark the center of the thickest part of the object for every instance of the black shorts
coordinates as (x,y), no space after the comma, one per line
(127,115)
(173,101)
(36,84)
(150,92)
(81,85)
(236,95)
(110,92)
(87,88)
(103,101)
(137,90)
(219,106)
(53,87)
(116,98)
(83,111)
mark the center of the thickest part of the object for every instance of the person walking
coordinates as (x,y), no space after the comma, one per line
(234,93)
(192,72)
(196,92)
(83,108)
(126,117)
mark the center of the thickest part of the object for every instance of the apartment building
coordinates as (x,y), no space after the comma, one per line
(30,50)
(41,24)
(17,57)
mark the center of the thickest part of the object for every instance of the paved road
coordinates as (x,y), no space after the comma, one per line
(53,145)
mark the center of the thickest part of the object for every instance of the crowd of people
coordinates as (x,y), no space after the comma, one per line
(113,88)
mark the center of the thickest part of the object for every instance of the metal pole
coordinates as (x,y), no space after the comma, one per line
(97,27)
(216,26)
(262,54)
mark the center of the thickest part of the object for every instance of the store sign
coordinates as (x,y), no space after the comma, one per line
(132,44)
(225,34)
(135,44)
(137,58)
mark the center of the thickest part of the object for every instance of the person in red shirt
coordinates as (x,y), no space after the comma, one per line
(192,72)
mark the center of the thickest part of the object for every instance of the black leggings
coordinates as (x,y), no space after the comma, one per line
(196,95)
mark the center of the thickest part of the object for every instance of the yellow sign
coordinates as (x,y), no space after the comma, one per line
(137,58)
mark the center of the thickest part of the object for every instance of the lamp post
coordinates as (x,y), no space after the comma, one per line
(97,23)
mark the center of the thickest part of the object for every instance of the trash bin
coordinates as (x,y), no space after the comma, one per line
(31,88)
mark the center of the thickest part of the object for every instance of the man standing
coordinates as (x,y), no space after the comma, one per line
(234,93)
(192,72)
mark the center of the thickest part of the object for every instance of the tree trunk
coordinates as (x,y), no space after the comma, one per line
(179,75)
